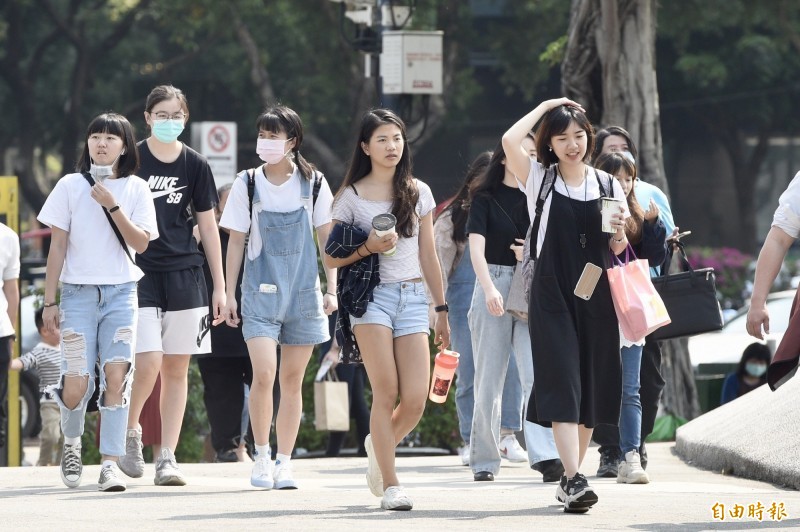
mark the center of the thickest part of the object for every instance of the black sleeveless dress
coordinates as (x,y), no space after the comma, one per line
(575,343)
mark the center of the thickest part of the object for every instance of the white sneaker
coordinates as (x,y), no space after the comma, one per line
(374,476)
(463,452)
(630,470)
(283,478)
(110,479)
(167,472)
(261,477)
(511,450)
(132,462)
(396,499)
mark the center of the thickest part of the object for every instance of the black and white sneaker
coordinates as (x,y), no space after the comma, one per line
(561,490)
(580,496)
(110,479)
(71,465)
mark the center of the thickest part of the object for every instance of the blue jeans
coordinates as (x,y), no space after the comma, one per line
(494,340)
(460,286)
(97,321)
(630,418)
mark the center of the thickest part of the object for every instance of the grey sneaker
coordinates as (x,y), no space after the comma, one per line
(167,472)
(71,465)
(110,479)
(132,463)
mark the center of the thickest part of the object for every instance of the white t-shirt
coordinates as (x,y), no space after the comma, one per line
(787,215)
(404,264)
(273,198)
(94,255)
(9,266)
(591,190)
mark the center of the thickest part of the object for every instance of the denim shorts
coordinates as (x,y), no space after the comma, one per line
(402,307)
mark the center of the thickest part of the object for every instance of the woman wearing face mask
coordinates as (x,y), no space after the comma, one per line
(97,312)
(749,375)
(174,316)
(279,204)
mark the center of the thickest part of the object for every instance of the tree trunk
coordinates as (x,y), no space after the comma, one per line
(611,53)
(618,62)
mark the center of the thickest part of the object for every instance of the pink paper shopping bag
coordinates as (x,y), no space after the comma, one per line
(639,308)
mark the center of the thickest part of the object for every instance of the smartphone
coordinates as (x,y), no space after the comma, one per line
(588,281)
(680,235)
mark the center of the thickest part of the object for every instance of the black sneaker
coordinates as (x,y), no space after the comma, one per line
(226,456)
(551,470)
(609,462)
(580,495)
(643,456)
(561,490)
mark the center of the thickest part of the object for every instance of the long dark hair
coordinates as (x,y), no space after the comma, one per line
(404,190)
(616,163)
(489,181)
(118,125)
(555,122)
(459,207)
(282,119)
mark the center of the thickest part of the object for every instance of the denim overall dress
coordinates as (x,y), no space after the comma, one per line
(281,298)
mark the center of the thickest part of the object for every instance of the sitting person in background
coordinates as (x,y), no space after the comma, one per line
(751,373)
(46,358)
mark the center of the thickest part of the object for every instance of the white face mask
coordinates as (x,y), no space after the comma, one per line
(271,151)
(102,171)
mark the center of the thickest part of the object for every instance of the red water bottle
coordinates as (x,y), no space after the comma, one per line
(444,368)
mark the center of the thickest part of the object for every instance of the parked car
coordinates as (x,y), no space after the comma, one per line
(726,346)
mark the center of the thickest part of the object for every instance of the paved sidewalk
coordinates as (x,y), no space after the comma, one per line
(333,496)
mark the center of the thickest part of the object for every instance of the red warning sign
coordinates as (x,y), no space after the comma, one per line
(219,138)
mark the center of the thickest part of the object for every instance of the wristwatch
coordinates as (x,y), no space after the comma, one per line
(442,308)
(114,208)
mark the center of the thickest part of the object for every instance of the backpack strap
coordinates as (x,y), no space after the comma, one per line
(315,190)
(544,191)
(251,188)
(122,243)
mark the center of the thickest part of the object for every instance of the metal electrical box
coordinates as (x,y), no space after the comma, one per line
(411,62)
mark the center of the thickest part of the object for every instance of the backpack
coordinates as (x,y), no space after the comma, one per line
(251,188)
(528,248)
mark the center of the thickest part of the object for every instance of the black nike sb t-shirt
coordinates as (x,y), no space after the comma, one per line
(177,187)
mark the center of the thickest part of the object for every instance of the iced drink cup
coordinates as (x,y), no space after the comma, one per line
(609,206)
(384,224)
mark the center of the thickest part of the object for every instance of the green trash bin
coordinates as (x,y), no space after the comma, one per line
(709,379)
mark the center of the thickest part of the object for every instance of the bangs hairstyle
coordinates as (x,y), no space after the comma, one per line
(490,180)
(614,164)
(118,125)
(603,134)
(282,119)
(459,207)
(555,122)
(755,351)
(404,191)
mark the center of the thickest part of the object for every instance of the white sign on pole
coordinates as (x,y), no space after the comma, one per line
(217,141)
(411,62)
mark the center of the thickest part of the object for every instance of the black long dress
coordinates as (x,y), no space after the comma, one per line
(576,357)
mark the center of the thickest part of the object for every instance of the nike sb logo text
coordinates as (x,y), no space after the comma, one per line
(165,186)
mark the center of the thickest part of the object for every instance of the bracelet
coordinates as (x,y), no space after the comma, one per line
(367,248)
(53,304)
(620,241)
(359,253)
(115,208)
(331,294)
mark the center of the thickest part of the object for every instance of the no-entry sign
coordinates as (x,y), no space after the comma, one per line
(217,141)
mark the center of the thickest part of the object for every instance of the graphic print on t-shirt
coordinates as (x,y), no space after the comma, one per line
(161,185)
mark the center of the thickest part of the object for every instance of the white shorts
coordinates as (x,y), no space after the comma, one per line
(175,332)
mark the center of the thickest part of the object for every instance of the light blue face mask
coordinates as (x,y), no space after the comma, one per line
(755,369)
(167,131)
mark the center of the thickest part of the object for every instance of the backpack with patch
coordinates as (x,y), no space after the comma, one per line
(528,248)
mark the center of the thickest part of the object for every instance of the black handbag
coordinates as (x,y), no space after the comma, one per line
(690,298)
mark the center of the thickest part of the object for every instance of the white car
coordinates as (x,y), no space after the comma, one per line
(726,346)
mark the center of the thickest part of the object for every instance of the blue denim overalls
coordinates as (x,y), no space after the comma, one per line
(281,298)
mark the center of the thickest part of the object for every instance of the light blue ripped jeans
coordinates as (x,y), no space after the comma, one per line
(97,321)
